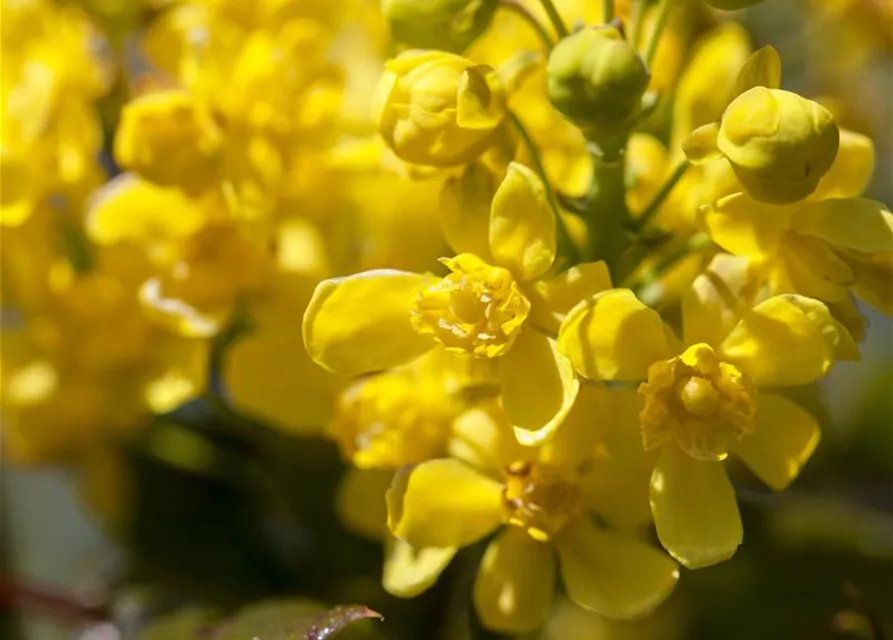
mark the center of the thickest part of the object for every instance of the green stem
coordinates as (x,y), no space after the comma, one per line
(607,11)
(663,12)
(555,18)
(646,288)
(566,245)
(638,15)
(641,221)
(519,9)
(607,214)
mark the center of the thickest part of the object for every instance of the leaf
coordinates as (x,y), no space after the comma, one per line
(290,620)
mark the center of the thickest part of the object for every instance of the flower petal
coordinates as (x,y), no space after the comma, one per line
(785,341)
(856,223)
(443,503)
(700,145)
(552,298)
(616,576)
(784,439)
(360,323)
(762,69)
(694,509)
(613,336)
(852,169)
(465,211)
(408,571)
(538,386)
(745,227)
(483,437)
(360,502)
(710,307)
(874,280)
(522,225)
(515,584)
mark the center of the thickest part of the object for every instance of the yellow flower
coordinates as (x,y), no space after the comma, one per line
(701,402)
(538,504)
(778,143)
(826,246)
(170,139)
(439,109)
(503,312)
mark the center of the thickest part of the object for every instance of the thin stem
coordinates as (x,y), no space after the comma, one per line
(646,289)
(641,222)
(635,35)
(60,604)
(607,11)
(663,12)
(565,243)
(518,8)
(555,18)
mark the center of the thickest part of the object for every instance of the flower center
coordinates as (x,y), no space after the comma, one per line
(478,308)
(541,498)
(385,422)
(701,403)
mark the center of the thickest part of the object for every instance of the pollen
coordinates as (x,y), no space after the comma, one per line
(542,498)
(702,404)
(477,308)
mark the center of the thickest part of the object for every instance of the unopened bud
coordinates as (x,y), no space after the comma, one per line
(448,25)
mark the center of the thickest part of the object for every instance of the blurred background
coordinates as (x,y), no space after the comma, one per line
(817,560)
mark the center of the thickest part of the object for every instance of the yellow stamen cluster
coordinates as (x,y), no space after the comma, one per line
(478,308)
(541,498)
(700,403)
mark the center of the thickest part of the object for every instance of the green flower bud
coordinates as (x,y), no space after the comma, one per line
(439,109)
(778,143)
(596,79)
(448,25)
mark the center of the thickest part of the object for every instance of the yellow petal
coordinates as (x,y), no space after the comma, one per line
(694,509)
(856,223)
(408,571)
(613,336)
(538,387)
(613,575)
(360,502)
(700,145)
(582,431)
(784,439)
(874,280)
(786,340)
(483,437)
(465,211)
(552,298)
(710,307)
(128,209)
(268,373)
(515,584)
(480,99)
(814,268)
(851,172)
(745,227)
(443,503)
(762,69)
(361,323)
(522,225)
(615,482)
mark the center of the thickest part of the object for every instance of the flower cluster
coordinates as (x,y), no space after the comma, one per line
(540,294)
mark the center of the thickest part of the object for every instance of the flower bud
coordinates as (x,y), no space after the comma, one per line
(596,79)
(778,143)
(448,25)
(438,109)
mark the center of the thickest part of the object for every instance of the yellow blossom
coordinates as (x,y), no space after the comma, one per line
(536,503)
(778,143)
(701,402)
(439,109)
(376,320)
